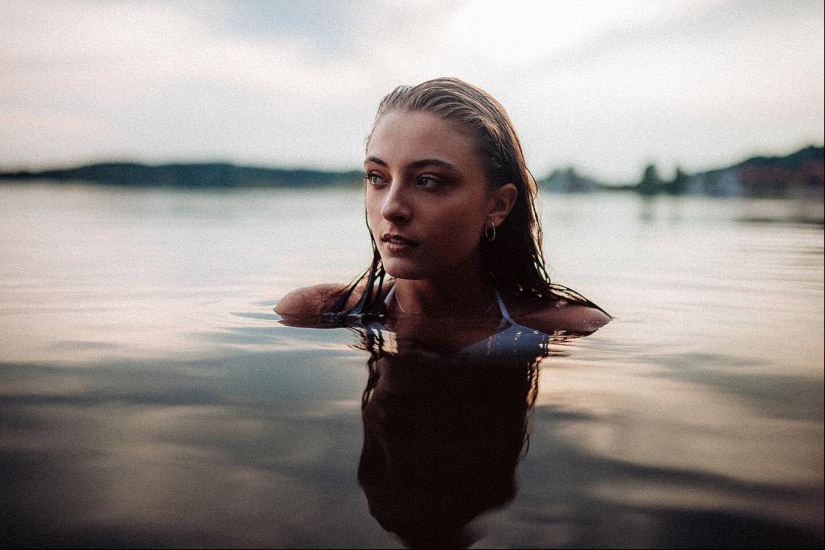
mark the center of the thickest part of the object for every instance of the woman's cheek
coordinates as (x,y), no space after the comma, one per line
(460,240)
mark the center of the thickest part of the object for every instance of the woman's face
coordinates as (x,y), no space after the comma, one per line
(426,196)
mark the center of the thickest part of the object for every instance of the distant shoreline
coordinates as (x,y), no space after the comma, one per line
(189,175)
(798,175)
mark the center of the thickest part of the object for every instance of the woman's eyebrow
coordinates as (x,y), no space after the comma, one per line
(375,160)
(418,164)
(437,163)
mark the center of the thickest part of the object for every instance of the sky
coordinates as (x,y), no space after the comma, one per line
(606,86)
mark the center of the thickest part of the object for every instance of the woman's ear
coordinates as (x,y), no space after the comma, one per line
(501,202)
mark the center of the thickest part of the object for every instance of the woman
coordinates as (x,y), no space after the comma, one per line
(450,208)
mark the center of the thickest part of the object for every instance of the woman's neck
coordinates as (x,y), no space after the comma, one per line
(467,294)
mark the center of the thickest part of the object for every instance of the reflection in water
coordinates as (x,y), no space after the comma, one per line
(444,432)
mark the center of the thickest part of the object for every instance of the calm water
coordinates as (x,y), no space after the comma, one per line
(149,397)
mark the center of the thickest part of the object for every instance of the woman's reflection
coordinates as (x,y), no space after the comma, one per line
(445,424)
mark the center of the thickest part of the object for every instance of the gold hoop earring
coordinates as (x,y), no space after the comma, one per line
(487,232)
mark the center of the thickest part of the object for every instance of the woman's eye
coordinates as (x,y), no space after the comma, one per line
(429,182)
(374,178)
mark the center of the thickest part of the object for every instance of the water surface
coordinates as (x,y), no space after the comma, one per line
(149,397)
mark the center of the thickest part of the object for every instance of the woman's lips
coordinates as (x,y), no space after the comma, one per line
(397,243)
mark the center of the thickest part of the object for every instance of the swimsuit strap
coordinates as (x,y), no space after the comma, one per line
(505,315)
(390,294)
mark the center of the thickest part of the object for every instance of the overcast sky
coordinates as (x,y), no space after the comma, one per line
(607,86)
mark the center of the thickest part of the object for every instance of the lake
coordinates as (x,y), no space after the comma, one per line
(150,397)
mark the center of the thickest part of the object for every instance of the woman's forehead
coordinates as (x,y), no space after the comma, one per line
(412,135)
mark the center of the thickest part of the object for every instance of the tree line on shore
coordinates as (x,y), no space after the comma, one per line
(798,175)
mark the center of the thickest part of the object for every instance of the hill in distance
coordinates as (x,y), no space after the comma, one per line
(195,175)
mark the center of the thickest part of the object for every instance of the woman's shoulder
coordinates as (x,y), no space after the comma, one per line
(562,314)
(308,301)
(305,305)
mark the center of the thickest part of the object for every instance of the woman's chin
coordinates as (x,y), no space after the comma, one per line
(400,269)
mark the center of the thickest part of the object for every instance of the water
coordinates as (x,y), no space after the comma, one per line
(149,397)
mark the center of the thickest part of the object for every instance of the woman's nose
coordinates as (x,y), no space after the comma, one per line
(396,207)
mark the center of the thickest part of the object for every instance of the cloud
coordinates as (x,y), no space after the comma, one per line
(699,88)
(163,81)
(605,86)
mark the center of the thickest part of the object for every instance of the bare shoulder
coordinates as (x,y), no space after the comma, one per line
(309,301)
(562,315)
